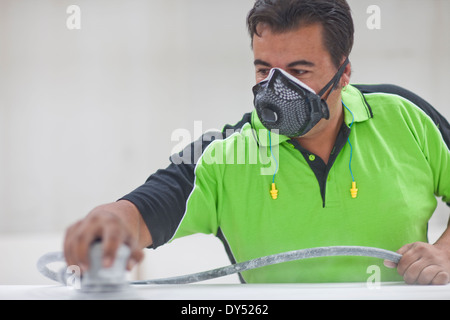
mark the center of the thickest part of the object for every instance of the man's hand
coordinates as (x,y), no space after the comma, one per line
(114,224)
(423,264)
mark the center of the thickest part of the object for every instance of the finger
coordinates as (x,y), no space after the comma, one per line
(411,274)
(442,278)
(406,248)
(428,274)
(402,251)
(74,245)
(86,233)
(136,255)
(113,237)
(409,257)
(389,264)
(67,247)
(405,263)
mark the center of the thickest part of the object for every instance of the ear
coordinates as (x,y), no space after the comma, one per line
(345,79)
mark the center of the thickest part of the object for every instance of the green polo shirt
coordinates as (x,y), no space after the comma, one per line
(399,162)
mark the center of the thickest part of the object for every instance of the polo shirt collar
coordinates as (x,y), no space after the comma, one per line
(351,96)
(355,101)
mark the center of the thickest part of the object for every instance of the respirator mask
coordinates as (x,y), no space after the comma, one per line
(286,104)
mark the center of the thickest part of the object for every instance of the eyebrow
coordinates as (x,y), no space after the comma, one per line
(261,62)
(290,65)
(301,63)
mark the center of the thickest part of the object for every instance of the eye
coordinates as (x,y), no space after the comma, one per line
(262,72)
(298,72)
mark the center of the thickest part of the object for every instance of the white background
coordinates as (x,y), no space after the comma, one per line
(87,115)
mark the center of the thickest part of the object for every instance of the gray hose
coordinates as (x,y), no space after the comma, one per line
(277,258)
(239,267)
(51,257)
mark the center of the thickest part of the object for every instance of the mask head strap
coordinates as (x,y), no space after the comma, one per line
(334,81)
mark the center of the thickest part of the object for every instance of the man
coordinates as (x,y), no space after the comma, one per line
(362,168)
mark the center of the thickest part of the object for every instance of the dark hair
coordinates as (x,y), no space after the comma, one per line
(287,15)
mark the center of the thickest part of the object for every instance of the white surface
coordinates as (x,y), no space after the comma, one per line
(345,291)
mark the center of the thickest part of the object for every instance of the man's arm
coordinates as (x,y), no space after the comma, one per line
(115,223)
(148,216)
(424,263)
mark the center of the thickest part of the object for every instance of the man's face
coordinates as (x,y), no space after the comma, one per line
(300,52)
